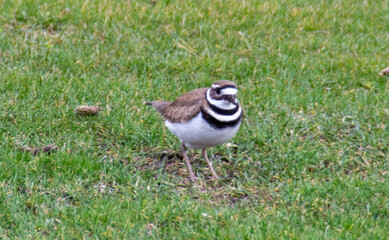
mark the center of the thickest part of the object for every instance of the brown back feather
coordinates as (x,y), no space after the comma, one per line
(185,107)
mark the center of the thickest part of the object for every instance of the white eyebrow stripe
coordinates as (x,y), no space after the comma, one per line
(229,91)
(215,86)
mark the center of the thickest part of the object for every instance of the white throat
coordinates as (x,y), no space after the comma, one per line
(223,104)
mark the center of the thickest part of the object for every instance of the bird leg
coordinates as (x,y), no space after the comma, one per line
(193,178)
(214,175)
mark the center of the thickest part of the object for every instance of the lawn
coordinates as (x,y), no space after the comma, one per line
(310,161)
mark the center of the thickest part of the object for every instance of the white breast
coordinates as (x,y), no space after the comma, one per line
(197,133)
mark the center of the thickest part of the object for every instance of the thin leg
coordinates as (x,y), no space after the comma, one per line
(191,174)
(214,175)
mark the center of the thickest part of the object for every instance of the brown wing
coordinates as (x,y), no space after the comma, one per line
(185,107)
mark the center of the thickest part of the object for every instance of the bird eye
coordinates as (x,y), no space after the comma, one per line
(218,91)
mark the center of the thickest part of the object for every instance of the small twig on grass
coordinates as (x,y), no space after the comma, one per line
(87,110)
(34,151)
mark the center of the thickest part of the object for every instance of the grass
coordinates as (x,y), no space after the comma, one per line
(311,157)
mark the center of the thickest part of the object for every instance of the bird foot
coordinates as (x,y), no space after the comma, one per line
(193,178)
(214,177)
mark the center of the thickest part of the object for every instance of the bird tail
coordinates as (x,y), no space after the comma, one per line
(159,105)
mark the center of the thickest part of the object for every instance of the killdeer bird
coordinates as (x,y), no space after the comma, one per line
(202,118)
